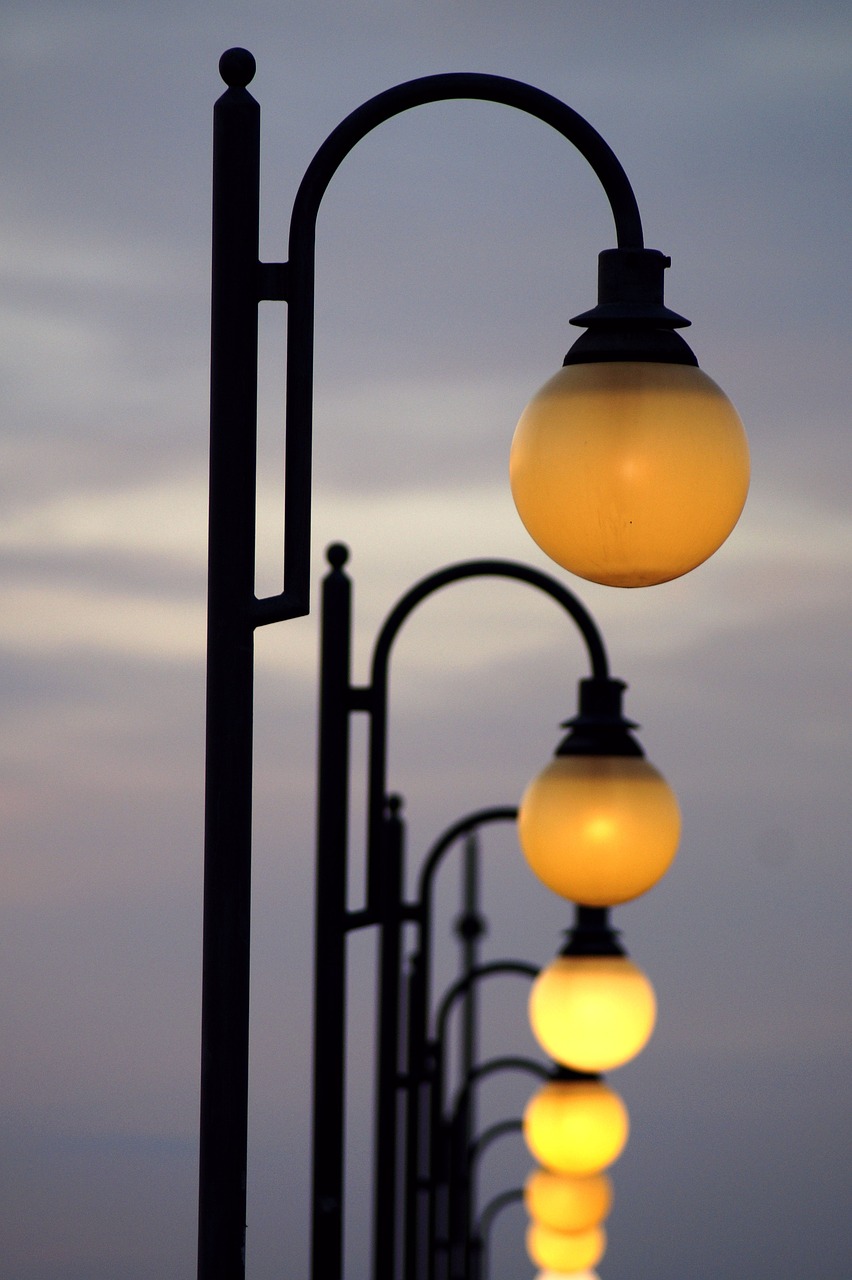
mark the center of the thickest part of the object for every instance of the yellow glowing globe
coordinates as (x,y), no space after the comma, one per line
(575,1126)
(592,1013)
(629,473)
(567,1203)
(599,830)
(565,1251)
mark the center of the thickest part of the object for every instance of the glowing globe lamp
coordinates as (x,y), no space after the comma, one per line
(592,1013)
(629,474)
(599,829)
(565,1251)
(630,466)
(567,1203)
(575,1126)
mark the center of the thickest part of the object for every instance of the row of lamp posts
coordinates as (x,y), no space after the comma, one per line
(628,468)
(599,826)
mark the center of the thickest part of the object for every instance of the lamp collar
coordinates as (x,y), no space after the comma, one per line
(592,935)
(599,727)
(631,321)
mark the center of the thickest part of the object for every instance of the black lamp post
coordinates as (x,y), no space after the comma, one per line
(385,907)
(629,330)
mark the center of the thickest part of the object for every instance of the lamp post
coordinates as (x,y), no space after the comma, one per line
(385,907)
(630,375)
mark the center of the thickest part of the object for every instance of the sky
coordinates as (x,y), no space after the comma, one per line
(453,246)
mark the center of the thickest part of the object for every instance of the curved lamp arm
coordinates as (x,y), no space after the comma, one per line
(480,1239)
(402,610)
(462,984)
(494,1065)
(464,826)
(483,88)
(550,586)
(300,282)
(495,1206)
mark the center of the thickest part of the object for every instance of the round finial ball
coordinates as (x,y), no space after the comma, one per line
(237,68)
(337,555)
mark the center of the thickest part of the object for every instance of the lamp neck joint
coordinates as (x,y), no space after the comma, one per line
(592,935)
(600,727)
(631,321)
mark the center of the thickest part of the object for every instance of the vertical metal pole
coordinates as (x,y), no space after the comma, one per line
(416,1120)
(230,660)
(390,887)
(470,928)
(330,964)
(458,1188)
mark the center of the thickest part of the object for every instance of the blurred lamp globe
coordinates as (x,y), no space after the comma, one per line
(565,1251)
(592,1013)
(575,1126)
(567,1203)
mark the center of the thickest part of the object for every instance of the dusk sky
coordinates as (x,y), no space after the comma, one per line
(454,244)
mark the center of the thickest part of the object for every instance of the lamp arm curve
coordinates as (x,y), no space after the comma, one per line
(484,1140)
(479,87)
(493,1208)
(300,272)
(461,985)
(571,603)
(438,851)
(495,1066)
(407,603)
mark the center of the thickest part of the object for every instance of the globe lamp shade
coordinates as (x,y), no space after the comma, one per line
(599,830)
(592,1013)
(629,473)
(565,1251)
(577,1127)
(567,1203)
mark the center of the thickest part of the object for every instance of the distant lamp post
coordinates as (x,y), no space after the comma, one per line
(410,1093)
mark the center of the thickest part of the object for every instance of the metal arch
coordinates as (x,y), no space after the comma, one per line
(458,988)
(464,826)
(495,568)
(482,88)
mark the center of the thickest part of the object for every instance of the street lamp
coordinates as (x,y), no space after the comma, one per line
(659,487)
